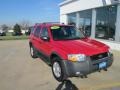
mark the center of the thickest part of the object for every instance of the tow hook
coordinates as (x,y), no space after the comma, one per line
(105,69)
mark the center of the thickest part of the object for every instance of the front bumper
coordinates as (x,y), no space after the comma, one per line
(74,69)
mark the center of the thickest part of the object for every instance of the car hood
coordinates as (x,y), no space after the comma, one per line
(83,46)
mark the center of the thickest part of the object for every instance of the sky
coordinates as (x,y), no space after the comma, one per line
(34,11)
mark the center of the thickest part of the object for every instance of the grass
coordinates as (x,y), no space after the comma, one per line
(10,37)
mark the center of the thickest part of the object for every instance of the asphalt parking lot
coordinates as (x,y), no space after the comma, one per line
(18,71)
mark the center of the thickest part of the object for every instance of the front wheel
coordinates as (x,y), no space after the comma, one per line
(58,71)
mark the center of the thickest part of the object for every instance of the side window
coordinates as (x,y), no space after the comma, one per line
(44,32)
(31,30)
(37,32)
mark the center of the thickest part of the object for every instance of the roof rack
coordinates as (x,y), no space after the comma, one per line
(48,23)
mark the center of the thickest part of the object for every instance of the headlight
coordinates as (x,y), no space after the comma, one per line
(76,57)
(109,52)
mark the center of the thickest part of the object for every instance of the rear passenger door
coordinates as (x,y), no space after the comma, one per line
(36,38)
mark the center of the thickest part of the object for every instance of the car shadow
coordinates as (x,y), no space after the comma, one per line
(44,59)
(66,85)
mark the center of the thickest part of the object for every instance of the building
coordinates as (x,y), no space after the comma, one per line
(96,18)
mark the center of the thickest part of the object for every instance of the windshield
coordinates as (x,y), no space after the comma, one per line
(66,33)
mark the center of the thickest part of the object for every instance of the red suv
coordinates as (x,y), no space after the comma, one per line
(68,51)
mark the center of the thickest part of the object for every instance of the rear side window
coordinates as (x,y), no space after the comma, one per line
(37,32)
(44,32)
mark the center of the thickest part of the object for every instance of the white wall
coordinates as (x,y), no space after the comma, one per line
(79,5)
(23,31)
(10,31)
(63,19)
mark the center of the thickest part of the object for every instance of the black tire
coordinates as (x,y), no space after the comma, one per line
(62,75)
(33,52)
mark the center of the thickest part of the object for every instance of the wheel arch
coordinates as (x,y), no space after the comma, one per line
(53,55)
(63,68)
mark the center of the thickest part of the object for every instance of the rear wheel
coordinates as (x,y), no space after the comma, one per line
(57,70)
(33,52)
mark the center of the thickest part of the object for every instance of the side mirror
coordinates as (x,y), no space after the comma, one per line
(44,38)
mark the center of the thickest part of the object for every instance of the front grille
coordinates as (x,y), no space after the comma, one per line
(99,56)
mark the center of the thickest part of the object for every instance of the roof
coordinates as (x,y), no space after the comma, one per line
(52,24)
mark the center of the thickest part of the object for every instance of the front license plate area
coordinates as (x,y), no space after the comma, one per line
(102,65)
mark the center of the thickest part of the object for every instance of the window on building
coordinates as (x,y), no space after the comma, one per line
(105,22)
(85,21)
(72,19)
